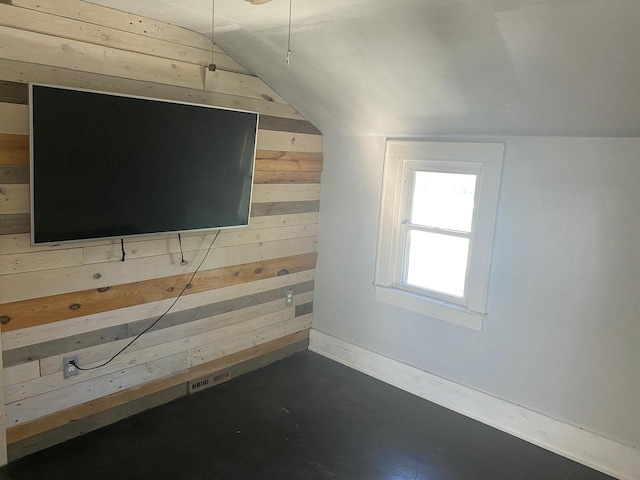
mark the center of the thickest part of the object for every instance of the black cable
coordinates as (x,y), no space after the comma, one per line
(188,285)
(122,245)
(183,262)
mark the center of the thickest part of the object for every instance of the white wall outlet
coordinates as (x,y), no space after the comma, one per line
(69,368)
(288,298)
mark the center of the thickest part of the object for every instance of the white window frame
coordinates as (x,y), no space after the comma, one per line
(402,160)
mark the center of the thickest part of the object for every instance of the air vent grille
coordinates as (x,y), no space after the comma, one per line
(208,381)
(221,377)
(199,385)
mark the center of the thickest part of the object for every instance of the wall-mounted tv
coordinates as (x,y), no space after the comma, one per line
(108,166)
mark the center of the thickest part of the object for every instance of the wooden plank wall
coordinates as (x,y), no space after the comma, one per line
(80,298)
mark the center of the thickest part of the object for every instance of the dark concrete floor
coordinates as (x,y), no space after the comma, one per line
(303,418)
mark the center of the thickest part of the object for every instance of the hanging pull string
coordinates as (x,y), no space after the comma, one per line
(213,26)
(122,245)
(212,66)
(289,39)
(188,285)
(183,262)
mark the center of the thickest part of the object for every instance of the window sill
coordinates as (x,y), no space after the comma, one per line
(430,307)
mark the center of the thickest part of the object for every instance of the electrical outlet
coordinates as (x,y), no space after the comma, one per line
(288,298)
(69,369)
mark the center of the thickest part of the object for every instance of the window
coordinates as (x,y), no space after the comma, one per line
(437,218)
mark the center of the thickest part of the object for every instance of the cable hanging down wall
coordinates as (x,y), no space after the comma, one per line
(184,289)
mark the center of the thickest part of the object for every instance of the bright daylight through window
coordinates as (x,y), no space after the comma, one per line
(437,219)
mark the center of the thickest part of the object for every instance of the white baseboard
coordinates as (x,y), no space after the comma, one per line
(585,447)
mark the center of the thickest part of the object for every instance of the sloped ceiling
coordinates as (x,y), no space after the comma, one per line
(426,67)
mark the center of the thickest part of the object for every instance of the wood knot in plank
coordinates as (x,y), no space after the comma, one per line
(74,306)
(236,273)
(170,289)
(189,285)
(282,272)
(258,270)
(267,97)
(5,319)
(97,276)
(103,289)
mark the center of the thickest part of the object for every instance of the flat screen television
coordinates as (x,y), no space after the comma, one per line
(108,166)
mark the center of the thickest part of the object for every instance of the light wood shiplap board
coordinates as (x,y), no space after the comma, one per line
(42,259)
(241,85)
(127,22)
(44,283)
(24,46)
(262,355)
(32,72)
(14,120)
(157,344)
(265,177)
(63,417)
(28,262)
(39,22)
(47,403)
(283,161)
(78,326)
(20,243)
(170,245)
(80,297)
(99,349)
(14,199)
(287,141)
(103,348)
(156,365)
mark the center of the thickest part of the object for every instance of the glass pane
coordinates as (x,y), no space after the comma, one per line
(444,200)
(437,262)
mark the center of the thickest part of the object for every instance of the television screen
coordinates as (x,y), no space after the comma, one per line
(105,165)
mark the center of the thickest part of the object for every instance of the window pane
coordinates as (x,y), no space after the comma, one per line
(437,262)
(443,200)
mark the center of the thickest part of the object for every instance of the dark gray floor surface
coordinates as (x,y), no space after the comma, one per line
(304,417)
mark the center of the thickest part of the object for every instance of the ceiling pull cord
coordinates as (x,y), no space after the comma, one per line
(289,39)
(212,66)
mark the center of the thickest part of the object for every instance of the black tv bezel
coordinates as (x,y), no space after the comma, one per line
(135,235)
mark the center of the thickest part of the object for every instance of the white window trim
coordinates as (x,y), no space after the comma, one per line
(485,158)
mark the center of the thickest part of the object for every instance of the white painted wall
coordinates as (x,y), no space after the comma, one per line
(562,335)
